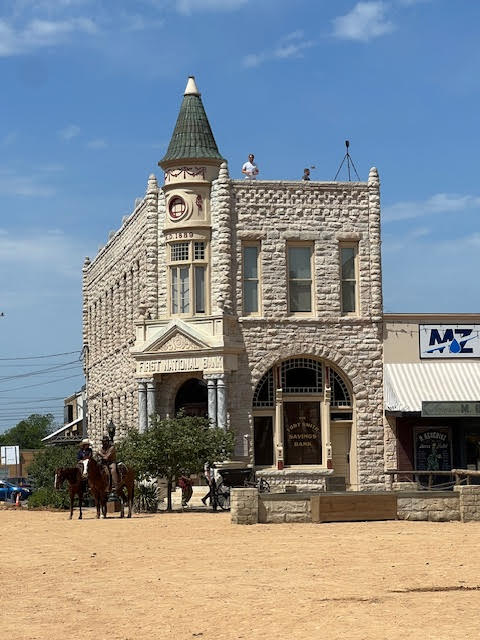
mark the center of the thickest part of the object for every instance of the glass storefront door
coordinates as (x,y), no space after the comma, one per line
(302,433)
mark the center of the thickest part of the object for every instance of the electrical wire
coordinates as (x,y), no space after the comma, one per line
(52,355)
(56,367)
(38,384)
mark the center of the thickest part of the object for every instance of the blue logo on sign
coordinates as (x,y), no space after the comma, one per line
(453,341)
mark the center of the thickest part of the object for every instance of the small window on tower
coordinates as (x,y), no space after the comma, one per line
(176,207)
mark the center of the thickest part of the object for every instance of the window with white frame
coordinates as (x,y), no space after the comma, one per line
(300,278)
(251,271)
(349,278)
(188,277)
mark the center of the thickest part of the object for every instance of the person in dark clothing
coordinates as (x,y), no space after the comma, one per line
(85,450)
(185,484)
(306,174)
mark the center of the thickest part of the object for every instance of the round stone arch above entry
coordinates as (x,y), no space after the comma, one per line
(345,365)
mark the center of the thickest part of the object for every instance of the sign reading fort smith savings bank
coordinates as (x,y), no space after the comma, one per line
(449,341)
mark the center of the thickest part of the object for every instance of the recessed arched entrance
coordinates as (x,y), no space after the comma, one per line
(192,398)
(303,416)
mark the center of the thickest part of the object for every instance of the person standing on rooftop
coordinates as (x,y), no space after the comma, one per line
(250,169)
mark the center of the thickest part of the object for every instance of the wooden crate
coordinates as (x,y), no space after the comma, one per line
(354,506)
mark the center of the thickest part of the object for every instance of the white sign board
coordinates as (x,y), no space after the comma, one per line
(449,341)
(10,455)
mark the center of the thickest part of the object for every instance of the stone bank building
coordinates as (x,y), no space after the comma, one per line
(255,302)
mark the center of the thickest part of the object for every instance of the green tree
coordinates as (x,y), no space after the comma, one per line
(42,469)
(28,433)
(172,446)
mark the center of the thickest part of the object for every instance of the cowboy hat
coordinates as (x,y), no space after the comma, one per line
(85,441)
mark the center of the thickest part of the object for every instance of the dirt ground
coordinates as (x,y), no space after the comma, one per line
(194,575)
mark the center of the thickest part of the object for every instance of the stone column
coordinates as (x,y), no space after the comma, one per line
(278,451)
(150,399)
(327,430)
(212,401)
(221,402)
(142,406)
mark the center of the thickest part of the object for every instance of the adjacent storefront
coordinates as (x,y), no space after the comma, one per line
(432,391)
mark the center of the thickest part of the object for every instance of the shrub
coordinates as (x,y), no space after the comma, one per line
(49,497)
(146,497)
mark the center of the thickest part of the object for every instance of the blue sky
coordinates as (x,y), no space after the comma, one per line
(91,91)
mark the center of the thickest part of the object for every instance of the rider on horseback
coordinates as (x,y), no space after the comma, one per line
(108,456)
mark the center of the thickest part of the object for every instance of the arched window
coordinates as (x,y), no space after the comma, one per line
(301,375)
(263,396)
(340,395)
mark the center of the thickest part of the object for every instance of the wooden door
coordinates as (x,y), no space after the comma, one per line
(341,437)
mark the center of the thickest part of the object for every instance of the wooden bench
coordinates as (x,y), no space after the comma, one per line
(354,506)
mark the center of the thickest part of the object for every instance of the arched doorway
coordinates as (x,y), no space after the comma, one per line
(192,398)
(302,416)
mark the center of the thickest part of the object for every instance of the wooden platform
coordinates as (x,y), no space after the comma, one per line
(354,506)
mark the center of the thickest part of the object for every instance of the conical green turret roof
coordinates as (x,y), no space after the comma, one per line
(192,137)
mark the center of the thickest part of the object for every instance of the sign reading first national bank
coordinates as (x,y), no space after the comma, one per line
(449,341)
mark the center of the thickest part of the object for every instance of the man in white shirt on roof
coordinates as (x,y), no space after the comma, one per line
(250,169)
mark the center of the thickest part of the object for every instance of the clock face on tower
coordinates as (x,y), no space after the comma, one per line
(177,208)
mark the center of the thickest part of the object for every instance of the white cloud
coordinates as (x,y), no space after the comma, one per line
(69,132)
(40,33)
(190,6)
(438,203)
(365,21)
(98,143)
(290,46)
(16,184)
(48,251)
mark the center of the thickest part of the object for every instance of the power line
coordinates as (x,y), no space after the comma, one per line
(29,386)
(32,400)
(51,355)
(41,371)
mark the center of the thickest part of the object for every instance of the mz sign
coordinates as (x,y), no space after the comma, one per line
(449,341)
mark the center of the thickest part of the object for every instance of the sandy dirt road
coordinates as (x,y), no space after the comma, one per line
(194,575)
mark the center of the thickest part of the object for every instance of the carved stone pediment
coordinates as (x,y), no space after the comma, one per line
(179,342)
(178,336)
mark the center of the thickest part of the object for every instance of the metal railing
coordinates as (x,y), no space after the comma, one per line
(457,477)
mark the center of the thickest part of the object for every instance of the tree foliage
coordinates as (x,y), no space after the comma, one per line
(42,469)
(173,446)
(28,433)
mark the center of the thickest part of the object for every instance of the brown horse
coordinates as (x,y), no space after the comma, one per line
(99,483)
(73,475)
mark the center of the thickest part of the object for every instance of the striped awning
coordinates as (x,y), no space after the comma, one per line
(407,385)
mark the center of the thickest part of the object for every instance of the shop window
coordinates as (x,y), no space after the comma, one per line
(263,440)
(188,277)
(302,433)
(250,258)
(349,278)
(300,278)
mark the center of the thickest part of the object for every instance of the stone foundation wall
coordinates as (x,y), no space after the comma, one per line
(244,506)
(438,506)
(284,507)
(304,481)
(250,507)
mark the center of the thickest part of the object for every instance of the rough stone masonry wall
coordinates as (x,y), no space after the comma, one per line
(244,506)
(325,214)
(434,507)
(121,278)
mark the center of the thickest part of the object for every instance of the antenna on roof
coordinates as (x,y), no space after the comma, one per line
(349,160)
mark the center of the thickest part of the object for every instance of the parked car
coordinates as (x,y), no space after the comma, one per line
(20,482)
(8,489)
